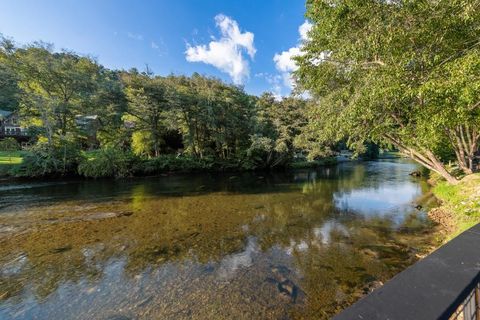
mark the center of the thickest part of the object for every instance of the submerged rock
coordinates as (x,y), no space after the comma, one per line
(371,286)
(280,273)
(118,317)
(289,289)
(107,215)
(61,249)
(285,286)
(416,173)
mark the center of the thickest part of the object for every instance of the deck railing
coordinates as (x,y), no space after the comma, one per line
(445,285)
(470,308)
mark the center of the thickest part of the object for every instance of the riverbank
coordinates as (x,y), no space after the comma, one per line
(9,160)
(113,163)
(460,208)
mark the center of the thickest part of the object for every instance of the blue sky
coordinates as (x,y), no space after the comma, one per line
(235,40)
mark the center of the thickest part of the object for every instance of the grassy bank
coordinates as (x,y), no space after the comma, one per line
(9,160)
(111,162)
(460,207)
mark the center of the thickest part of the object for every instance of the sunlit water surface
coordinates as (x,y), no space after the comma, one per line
(298,245)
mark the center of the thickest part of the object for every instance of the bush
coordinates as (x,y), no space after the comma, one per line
(107,162)
(44,159)
(9,144)
(170,162)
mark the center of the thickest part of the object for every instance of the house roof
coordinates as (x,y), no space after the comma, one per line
(4,113)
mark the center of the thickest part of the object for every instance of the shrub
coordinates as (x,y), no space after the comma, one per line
(9,144)
(44,159)
(107,162)
(170,162)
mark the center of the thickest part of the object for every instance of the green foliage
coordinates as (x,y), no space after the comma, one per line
(9,144)
(277,125)
(57,86)
(462,200)
(368,151)
(142,143)
(70,104)
(147,103)
(166,163)
(401,73)
(44,159)
(106,162)
(214,118)
(9,90)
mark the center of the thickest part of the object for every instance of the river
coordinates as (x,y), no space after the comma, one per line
(298,245)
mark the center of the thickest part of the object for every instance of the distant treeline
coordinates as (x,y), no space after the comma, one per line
(401,75)
(84,118)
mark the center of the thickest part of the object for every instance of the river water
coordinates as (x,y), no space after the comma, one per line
(298,245)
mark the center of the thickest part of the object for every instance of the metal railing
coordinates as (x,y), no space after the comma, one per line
(444,285)
(470,308)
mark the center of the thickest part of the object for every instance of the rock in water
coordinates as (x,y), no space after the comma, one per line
(416,173)
(370,287)
(61,249)
(280,273)
(286,287)
(289,289)
(118,317)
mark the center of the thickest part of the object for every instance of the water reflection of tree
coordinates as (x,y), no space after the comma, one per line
(327,247)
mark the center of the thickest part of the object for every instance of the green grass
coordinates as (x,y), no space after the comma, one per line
(11,157)
(463,200)
(9,160)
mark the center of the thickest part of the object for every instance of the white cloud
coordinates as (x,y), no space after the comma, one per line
(154,45)
(284,61)
(226,53)
(135,36)
(304,29)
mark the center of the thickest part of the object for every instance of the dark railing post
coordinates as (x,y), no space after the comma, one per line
(477,302)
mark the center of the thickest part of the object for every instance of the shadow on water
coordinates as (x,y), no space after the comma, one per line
(303,244)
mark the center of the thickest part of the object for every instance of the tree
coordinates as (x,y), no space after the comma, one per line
(382,70)
(214,118)
(277,126)
(147,103)
(9,89)
(110,104)
(56,86)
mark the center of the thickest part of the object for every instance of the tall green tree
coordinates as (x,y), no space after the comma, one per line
(147,104)
(56,86)
(384,70)
(9,90)
(214,118)
(277,127)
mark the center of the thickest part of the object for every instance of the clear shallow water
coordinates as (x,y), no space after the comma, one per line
(297,245)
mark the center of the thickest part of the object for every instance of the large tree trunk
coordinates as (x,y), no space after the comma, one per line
(464,141)
(425,157)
